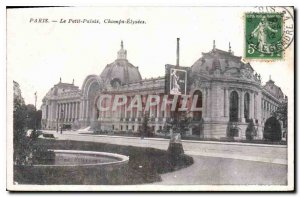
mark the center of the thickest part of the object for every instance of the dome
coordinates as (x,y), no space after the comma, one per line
(121,70)
(219,63)
(217,59)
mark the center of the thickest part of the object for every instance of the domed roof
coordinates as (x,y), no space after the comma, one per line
(217,59)
(121,70)
(219,63)
(274,89)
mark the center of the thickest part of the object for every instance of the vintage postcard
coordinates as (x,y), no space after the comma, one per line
(150,98)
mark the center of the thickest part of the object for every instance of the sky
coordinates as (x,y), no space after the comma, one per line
(38,54)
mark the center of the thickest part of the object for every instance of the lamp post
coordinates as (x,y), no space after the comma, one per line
(35,112)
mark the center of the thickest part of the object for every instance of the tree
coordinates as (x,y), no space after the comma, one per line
(166,129)
(250,131)
(179,124)
(19,136)
(145,126)
(24,148)
(281,114)
(272,129)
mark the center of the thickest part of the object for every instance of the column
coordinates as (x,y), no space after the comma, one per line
(87,108)
(70,112)
(59,109)
(242,118)
(50,111)
(255,106)
(251,105)
(131,110)
(57,112)
(84,109)
(208,103)
(226,103)
(204,103)
(74,107)
(62,111)
(75,111)
(69,109)
(81,110)
(259,114)
(125,113)
(65,112)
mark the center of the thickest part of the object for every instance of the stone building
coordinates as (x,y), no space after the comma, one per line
(230,95)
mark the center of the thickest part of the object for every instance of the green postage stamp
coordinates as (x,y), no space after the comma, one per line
(264,35)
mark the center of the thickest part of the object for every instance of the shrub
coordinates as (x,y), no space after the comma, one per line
(250,131)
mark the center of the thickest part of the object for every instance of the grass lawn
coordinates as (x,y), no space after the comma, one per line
(145,165)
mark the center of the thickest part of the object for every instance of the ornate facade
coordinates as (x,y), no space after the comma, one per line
(230,95)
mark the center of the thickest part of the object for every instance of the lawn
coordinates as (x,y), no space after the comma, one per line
(145,165)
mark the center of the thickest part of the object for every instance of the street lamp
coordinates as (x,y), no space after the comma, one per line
(35,111)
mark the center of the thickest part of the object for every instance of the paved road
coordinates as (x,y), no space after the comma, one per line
(222,171)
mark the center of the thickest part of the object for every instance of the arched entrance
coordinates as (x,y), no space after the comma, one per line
(90,90)
(272,129)
(93,94)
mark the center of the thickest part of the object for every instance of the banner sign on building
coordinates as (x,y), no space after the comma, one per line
(176,80)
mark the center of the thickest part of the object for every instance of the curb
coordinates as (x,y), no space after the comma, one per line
(193,141)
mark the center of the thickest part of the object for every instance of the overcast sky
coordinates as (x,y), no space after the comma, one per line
(39,54)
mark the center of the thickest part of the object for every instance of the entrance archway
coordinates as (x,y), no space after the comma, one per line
(272,129)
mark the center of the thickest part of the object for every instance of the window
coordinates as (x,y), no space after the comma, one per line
(234,107)
(246,106)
